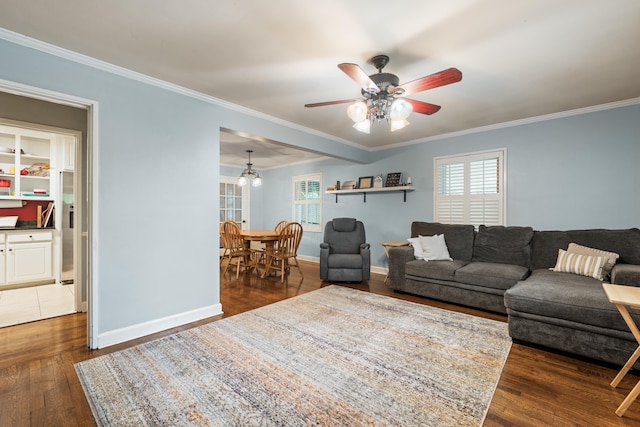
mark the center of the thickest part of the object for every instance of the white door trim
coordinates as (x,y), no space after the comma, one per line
(91,171)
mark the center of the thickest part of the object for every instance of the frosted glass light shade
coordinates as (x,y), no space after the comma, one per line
(242,181)
(400,110)
(398,124)
(364,126)
(357,111)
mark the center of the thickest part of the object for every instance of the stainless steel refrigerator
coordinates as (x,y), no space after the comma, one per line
(67,201)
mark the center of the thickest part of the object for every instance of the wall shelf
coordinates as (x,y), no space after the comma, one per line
(364,191)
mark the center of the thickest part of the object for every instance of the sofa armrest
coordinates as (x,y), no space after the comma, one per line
(324,257)
(366,261)
(398,257)
(626,274)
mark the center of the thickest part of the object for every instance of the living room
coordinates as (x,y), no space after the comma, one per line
(154,150)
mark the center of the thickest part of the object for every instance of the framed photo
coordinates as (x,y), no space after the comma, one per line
(365,182)
(393,179)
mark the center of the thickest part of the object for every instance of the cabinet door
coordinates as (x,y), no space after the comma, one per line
(68,152)
(3,279)
(28,262)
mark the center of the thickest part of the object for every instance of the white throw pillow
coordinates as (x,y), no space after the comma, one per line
(434,248)
(417,249)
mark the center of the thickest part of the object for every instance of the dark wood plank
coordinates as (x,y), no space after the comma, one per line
(39,386)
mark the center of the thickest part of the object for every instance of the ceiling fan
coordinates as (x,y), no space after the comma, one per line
(383,95)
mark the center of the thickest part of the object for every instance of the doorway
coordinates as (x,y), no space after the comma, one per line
(38,253)
(234,202)
(58,112)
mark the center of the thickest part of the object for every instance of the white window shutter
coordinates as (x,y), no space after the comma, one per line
(469,189)
(307,201)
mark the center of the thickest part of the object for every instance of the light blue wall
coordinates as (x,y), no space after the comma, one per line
(157,161)
(158,156)
(567,173)
(155,150)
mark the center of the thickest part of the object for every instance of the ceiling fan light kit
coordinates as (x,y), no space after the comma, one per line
(250,174)
(382,95)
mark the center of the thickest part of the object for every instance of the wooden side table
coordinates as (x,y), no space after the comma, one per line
(623,296)
(389,245)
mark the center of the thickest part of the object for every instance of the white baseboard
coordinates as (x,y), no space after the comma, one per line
(117,336)
(379,270)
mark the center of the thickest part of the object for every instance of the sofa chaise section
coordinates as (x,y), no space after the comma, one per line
(570,312)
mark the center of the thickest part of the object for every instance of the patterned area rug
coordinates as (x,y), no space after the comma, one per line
(331,357)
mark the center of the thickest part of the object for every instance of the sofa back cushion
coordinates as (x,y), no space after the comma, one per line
(504,245)
(459,238)
(545,244)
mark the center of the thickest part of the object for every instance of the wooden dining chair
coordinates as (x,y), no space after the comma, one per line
(260,255)
(285,251)
(223,246)
(234,247)
(281,225)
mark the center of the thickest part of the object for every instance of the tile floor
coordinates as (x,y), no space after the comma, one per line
(35,303)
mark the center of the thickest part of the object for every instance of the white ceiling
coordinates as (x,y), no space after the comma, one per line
(519,59)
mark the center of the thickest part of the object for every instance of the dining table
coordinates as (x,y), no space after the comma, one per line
(268,237)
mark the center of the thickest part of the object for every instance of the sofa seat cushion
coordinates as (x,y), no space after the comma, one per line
(565,296)
(441,270)
(344,261)
(491,275)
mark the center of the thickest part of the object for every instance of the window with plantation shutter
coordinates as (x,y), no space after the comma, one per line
(307,201)
(469,189)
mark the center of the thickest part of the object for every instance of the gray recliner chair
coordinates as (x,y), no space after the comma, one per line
(345,255)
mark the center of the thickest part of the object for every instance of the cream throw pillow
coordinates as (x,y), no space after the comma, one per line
(417,249)
(611,257)
(584,265)
(434,248)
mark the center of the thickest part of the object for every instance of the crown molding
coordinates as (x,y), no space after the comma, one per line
(124,72)
(79,58)
(519,122)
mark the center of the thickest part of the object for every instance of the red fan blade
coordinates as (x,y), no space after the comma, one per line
(357,75)
(322,104)
(448,76)
(422,107)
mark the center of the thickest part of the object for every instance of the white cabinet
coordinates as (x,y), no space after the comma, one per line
(3,279)
(68,152)
(28,257)
(25,163)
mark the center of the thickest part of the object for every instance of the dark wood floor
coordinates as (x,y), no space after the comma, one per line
(39,387)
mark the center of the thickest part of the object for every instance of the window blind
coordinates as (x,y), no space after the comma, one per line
(307,201)
(469,189)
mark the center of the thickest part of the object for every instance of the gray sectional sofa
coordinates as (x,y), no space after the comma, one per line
(507,270)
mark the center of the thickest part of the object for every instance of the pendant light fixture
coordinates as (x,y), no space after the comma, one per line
(250,174)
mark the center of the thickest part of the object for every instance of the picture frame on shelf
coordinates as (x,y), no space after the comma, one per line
(393,179)
(377,181)
(348,185)
(365,182)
